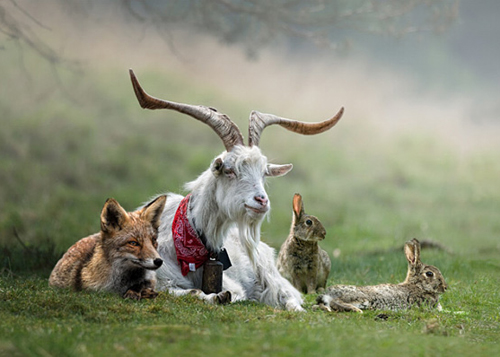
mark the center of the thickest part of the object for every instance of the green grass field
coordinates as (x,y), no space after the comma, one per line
(69,140)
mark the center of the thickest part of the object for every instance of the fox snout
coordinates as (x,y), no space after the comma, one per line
(150,264)
(158,262)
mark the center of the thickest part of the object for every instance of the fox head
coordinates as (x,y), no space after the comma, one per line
(130,238)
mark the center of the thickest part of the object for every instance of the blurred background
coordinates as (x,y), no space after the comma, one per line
(416,153)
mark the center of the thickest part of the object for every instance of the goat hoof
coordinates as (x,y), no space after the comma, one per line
(194,292)
(224,297)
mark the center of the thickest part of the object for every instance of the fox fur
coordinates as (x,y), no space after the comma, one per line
(121,258)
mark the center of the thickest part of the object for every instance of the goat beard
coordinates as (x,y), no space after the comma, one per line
(249,236)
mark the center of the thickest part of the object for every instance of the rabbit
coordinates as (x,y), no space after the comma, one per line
(301,260)
(422,286)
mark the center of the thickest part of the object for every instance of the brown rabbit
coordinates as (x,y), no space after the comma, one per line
(300,259)
(422,286)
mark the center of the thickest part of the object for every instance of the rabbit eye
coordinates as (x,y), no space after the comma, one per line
(309,222)
(429,274)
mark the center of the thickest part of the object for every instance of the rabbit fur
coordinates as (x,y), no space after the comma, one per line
(422,286)
(301,260)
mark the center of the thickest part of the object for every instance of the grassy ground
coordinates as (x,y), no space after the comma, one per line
(62,153)
(37,320)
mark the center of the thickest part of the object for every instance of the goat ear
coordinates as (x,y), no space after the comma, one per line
(153,210)
(298,206)
(113,217)
(278,170)
(217,166)
(412,252)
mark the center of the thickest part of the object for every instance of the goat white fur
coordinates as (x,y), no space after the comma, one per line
(228,204)
(224,204)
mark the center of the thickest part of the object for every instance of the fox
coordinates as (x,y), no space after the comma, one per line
(121,258)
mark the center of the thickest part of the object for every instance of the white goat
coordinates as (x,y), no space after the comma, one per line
(227,204)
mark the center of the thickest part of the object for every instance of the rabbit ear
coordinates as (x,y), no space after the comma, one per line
(412,252)
(298,206)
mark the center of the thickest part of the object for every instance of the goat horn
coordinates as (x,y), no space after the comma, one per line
(258,122)
(220,123)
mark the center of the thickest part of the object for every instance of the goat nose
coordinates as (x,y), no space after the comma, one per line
(261,199)
(158,262)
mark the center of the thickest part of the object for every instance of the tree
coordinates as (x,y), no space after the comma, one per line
(252,24)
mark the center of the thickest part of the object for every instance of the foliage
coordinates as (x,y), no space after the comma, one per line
(253,24)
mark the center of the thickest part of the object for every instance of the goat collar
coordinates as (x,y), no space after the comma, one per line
(190,245)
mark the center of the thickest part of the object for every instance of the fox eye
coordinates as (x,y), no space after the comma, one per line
(429,274)
(309,222)
(133,243)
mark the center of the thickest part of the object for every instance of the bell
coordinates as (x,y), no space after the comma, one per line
(212,277)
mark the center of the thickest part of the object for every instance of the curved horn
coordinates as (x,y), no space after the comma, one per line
(259,121)
(220,123)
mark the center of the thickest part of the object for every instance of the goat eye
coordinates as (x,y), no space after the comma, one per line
(229,173)
(429,274)
(133,243)
(309,222)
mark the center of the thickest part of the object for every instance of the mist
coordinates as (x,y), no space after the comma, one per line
(388,84)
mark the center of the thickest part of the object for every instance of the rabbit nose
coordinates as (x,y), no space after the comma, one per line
(158,262)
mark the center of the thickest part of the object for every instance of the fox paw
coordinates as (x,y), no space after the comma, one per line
(132,294)
(148,294)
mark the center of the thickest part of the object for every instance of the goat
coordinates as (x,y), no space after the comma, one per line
(225,209)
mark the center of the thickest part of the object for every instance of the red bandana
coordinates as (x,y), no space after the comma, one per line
(191,253)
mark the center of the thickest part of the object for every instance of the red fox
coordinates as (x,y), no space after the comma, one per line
(121,258)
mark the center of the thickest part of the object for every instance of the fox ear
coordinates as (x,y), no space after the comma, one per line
(298,206)
(412,252)
(113,216)
(153,210)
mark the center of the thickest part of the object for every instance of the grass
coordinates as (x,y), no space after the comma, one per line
(62,155)
(38,320)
